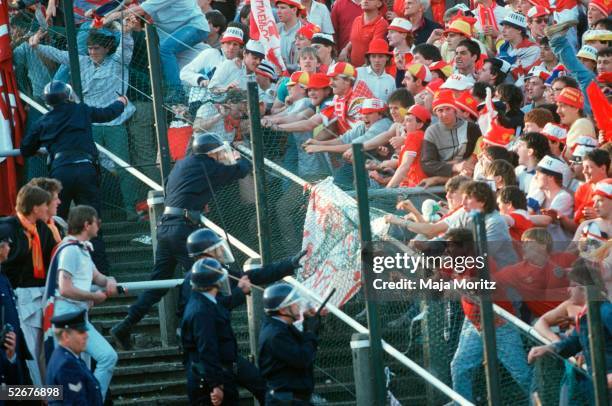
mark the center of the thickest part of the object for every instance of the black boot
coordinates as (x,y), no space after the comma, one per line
(121,333)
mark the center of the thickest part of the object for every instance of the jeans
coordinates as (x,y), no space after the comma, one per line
(567,56)
(469,355)
(97,347)
(175,43)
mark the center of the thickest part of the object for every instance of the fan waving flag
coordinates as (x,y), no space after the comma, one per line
(263,29)
(12,116)
(49,299)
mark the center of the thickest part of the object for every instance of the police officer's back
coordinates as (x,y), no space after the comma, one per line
(211,349)
(286,355)
(65,368)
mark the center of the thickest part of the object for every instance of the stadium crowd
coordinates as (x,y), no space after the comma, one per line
(506,105)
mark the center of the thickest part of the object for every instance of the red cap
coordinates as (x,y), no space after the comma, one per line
(318,81)
(308,30)
(433,86)
(342,68)
(467,103)
(498,135)
(419,112)
(372,106)
(538,11)
(444,98)
(379,46)
(605,6)
(571,97)
(604,188)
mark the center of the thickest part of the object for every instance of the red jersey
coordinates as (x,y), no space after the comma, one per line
(582,198)
(361,36)
(412,147)
(343,13)
(542,289)
(522,223)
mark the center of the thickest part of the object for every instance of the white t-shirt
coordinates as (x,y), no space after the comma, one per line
(230,71)
(76,260)
(380,85)
(563,203)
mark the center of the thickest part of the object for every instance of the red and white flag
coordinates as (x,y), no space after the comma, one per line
(263,29)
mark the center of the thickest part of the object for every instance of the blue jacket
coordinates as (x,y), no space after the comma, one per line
(286,357)
(208,338)
(68,128)
(80,386)
(187,186)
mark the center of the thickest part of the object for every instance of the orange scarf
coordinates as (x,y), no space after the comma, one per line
(35,246)
(54,230)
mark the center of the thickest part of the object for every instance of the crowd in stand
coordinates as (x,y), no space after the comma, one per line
(506,105)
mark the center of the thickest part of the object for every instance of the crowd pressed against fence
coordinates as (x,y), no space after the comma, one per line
(504,106)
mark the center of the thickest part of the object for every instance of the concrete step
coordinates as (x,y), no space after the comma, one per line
(128,253)
(161,400)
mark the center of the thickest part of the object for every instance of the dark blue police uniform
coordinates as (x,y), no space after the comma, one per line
(65,368)
(187,191)
(65,132)
(286,359)
(80,386)
(211,350)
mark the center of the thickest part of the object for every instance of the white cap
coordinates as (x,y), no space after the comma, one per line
(372,106)
(539,72)
(400,24)
(586,141)
(580,151)
(256,47)
(551,165)
(554,132)
(324,37)
(588,52)
(233,34)
(604,188)
(457,81)
(516,19)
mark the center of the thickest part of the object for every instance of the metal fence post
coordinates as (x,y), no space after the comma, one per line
(376,354)
(486,314)
(168,321)
(159,114)
(596,344)
(263,226)
(73,51)
(364,390)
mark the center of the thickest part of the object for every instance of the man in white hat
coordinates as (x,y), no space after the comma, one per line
(534,88)
(557,202)
(236,72)
(200,70)
(517,49)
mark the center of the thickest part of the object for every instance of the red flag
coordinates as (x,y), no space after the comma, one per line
(12,116)
(602,110)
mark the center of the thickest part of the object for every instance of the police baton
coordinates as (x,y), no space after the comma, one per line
(318,313)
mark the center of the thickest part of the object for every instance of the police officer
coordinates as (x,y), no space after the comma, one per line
(66,368)
(286,354)
(206,243)
(188,191)
(66,133)
(209,342)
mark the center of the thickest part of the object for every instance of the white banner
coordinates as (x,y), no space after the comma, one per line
(263,23)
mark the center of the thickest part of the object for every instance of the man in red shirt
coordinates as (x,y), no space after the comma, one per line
(368,26)
(343,13)
(595,165)
(539,281)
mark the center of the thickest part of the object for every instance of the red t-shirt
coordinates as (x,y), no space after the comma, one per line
(361,36)
(542,289)
(412,146)
(582,198)
(343,13)
(522,223)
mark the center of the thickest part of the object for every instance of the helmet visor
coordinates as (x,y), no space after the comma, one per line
(221,252)
(224,284)
(293,297)
(225,154)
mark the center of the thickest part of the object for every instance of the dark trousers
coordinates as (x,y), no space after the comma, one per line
(199,392)
(249,378)
(171,251)
(80,185)
(284,399)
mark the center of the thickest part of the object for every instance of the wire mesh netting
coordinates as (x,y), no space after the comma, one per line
(427,331)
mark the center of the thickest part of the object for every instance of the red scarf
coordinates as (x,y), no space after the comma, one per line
(486,15)
(34,245)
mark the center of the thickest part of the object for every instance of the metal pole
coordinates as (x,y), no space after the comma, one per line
(161,128)
(73,50)
(168,322)
(376,354)
(486,314)
(360,347)
(597,346)
(261,204)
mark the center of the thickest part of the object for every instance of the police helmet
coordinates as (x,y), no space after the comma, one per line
(205,143)
(278,296)
(200,241)
(209,273)
(56,93)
